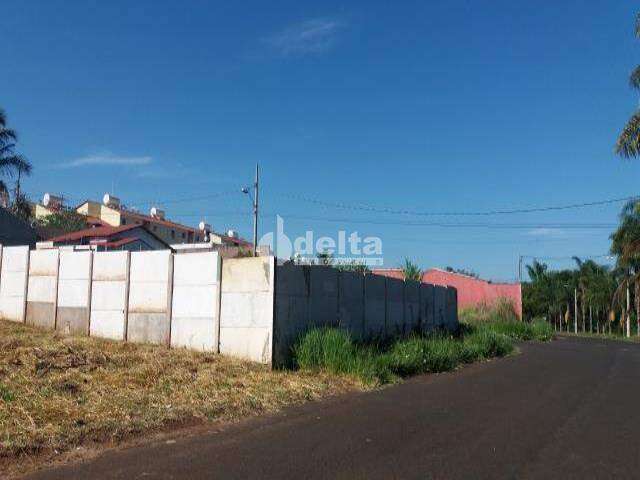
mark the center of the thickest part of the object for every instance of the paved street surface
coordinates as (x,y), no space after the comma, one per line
(568,409)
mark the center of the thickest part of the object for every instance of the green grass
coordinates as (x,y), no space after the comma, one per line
(333,350)
(519,331)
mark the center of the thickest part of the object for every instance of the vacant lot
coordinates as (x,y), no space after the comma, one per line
(60,392)
(57,393)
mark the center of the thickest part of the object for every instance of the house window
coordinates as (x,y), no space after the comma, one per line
(182,234)
(124,221)
(173,234)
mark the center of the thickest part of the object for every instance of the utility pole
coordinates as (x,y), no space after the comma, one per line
(519,268)
(575,313)
(255,215)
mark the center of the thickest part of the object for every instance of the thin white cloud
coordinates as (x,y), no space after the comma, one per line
(309,37)
(546,232)
(106,158)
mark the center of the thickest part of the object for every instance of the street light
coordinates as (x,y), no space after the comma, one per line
(254,201)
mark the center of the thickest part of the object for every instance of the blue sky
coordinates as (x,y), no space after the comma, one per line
(432,106)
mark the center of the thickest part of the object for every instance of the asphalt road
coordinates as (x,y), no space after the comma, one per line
(568,409)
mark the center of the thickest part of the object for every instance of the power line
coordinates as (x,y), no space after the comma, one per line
(376,209)
(285,216)
(568,257)
(182,199)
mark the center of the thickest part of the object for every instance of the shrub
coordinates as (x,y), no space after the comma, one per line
(486,344)
(334,351)
(443,354)
(325,348)
(520,331)
(502,310)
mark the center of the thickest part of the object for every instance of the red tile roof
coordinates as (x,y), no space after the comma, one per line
(240,242)
(159,221)
(116,243)
(168,223)
(92,233)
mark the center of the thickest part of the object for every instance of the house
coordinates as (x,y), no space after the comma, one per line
(14,231)
(471,291)
(110,213)
(126,237)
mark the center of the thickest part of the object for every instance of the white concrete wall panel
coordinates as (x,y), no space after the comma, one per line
(374,307)
(323,297)
(109,292)
(411,306)
(440,305)
(427,312)
(42,289)
(351,303)
(150,279)
(246,308)
(13,283)
(74,292)
(196,300)
(395,307)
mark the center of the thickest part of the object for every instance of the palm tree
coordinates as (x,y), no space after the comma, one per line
(625,243)
(537,271)
(628,144)
(411,271)
(11,163)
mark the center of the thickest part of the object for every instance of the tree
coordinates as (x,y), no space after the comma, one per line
(11,163)
(21,208)
(411,271)
(325,258)
(64,221)
(628,144)
(625,243)
(537,271)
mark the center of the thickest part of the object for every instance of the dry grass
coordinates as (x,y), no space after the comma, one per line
(502,310)
(57,392)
